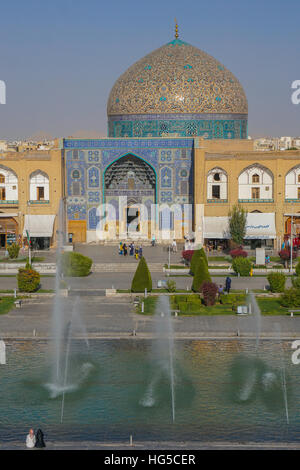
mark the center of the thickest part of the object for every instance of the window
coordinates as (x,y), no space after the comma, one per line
(298,193)
(215,192)
(298,178)
(2,179)
(76,188)
(255,193)
(75,174)
(75,155)
(255,178)
(40,190)
(217,177)
(2,194)
(183,187)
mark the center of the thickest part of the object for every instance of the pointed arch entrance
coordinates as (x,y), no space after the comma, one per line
(130,185)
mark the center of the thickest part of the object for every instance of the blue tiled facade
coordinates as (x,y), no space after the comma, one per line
(88,159)
(206,126)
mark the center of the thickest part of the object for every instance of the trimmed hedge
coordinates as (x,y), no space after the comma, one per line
(276,281)
(196,256)
(296,282)
(13,251)
(290,298)
(28,280)
(232,299)
(201,275)
(242,266)
(75,264)
(142,279)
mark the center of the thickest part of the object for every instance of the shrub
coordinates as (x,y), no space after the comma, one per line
(296,281)
(276,281)
(75,264)
(171,286)
(285,255)
(187,255)
(142,278)
(290,298)
(232,299)
(13,250)
(238,253)
(196,256)
(28,280)
(242,266)
(201,275)
(210,290)
(298,268)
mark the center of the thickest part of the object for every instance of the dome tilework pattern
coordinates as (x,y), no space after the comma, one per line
(177,78)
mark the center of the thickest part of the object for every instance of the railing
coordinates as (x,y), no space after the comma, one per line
(213,201)
(292,200)
(8,202)
(256,200)
(39,202)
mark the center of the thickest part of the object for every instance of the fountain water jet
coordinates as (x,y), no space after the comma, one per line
(163,349)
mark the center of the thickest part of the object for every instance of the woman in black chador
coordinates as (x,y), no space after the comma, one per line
(40,439)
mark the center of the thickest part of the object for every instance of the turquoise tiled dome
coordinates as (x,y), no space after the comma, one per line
(177,78)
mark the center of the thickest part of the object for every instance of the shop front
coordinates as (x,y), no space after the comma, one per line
(260,231)
(40,230)
(8,229)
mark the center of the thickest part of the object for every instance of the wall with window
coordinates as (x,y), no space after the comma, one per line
(256,182)
(39,186)
(8,184)
(217,184)
(292,183)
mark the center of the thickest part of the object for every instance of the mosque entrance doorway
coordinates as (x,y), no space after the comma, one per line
(130,184)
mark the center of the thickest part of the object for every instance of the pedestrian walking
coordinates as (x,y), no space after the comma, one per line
(228,284)
(131,249)
(174,246)
(136,253)
(125,249)
(140,251)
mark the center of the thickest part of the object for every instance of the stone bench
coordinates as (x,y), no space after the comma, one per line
(18,303)
(294,311)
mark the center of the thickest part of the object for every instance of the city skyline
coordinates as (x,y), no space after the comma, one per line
(59,62)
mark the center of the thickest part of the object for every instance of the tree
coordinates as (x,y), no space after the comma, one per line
(201,275)
(142,278)
(237,224)
(196,256)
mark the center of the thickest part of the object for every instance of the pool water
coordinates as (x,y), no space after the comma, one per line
(224,391)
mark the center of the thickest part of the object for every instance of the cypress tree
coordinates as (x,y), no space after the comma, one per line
(201,275)
(196,255)
(142,278)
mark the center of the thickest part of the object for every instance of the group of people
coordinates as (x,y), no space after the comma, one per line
(35,440)
(135,251)
(227,287)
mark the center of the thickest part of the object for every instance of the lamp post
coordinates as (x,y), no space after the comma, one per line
(291,266)
(28,234)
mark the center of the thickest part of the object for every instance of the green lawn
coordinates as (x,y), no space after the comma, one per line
(6,303)
(271,307)
(268,306)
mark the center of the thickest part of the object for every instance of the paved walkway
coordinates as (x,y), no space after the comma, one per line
(115,318)
(122,280)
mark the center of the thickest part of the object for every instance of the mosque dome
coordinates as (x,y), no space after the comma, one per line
(177,83)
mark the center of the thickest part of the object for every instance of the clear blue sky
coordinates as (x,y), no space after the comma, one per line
(60,58)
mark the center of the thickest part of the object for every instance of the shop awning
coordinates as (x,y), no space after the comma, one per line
(39,225)
(259,226)
(216,227)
